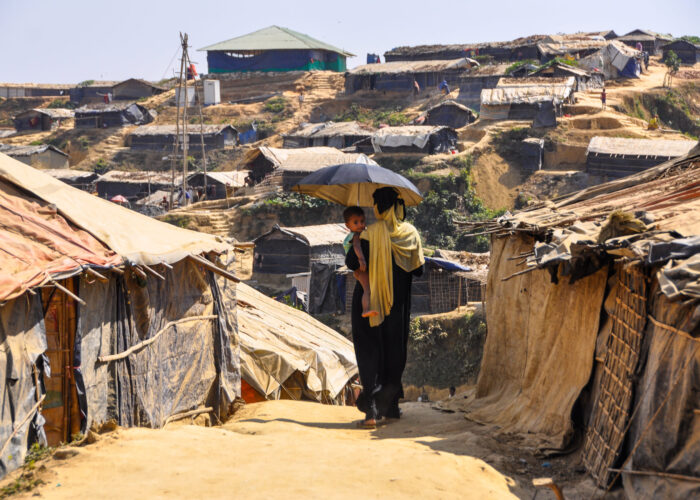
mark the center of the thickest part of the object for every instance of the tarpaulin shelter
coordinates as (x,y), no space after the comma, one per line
(400,76)
(283,168)
(287,354)
(650,40)
(450,114)
(601,288)
(40,156)
(81,179)
(162,138)
(219,184)
(519,98)
(614,157)
(568,45)
(274,49)
(42,119)
(151,338)
(585,80)
(687,52)
(615,60)
(335,135)
(112,115)
(316,250)
(135,88)
(134,184)
(426,139)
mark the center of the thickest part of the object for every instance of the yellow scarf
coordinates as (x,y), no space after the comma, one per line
(389,236)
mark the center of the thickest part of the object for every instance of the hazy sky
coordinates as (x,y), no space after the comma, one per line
(67,41)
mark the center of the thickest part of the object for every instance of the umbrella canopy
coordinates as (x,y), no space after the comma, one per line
(118,199)
(353,184)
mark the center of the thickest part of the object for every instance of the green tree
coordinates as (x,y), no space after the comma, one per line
(673,64)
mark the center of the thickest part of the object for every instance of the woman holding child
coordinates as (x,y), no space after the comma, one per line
(386,256)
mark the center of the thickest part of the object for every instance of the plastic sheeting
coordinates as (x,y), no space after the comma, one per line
(135,237)
(192,364)
(22,342)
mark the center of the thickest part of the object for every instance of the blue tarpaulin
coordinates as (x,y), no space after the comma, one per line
(448,265)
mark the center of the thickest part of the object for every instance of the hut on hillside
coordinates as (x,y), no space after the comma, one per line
(42,119)
(218,184)
(689,53)
(112,115)
(275,49)
(335,135)
(162,137)
(316,250)
(514,50)
(575,46)
(424,139)
(81,179)
(10,90)
(651,41)
(110,317)
(584,79)
(603,335)
(522,98)
(275,168)
(450,114)
(92,92)
(135,88)
(400,76)
(614,157)
(133,185)
(615,60)
(42,156)
(287,354)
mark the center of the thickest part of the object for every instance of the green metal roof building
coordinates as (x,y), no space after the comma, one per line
(274,49)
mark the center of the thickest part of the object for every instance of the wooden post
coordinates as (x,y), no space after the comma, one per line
(185,138)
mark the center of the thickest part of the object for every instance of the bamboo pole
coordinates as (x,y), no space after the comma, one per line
(657,473)
(176,150)
(153,272)
(97,275)
(24,421)
(68,292)
(214,268)
(185,138)
(145,343)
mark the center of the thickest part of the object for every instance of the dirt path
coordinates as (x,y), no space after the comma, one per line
(286,449)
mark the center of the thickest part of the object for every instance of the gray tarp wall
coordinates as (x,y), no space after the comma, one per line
(22,342)
(191,364)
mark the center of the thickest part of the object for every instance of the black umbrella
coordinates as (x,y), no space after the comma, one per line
(353,184)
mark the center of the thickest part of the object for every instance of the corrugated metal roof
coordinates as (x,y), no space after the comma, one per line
(307,159)
(639,147)
(396,67)
(274,38)
(331,129)
(17,150)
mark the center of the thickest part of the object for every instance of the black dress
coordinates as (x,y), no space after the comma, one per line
(381,351)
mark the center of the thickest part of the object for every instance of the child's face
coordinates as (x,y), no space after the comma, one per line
(356,223)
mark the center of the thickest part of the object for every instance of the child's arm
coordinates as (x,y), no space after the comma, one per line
(357,248)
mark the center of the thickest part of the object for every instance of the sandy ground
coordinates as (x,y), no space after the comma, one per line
(299,450)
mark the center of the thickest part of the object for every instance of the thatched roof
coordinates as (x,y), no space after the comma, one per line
(18,150)
(621,146)
(139,177)
(331,129)
(150,130)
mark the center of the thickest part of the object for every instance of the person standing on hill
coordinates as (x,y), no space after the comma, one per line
(603,98)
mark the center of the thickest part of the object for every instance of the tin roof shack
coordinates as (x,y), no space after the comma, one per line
(43,156)
(317,250)
(80,179)
(42,119)
(615,60)
(135,88)
(112,115)
(399,76)
(610,322)
(274,49)
(91,92)
(162,137)
(689,53)
(126,310)
(615,157)
(423,139)
(133,185)
(651,41)
(275,168)
(335,135)
(585,80)
(450,114)
(9,90)
(522,98)
(287,354)
(219,184)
